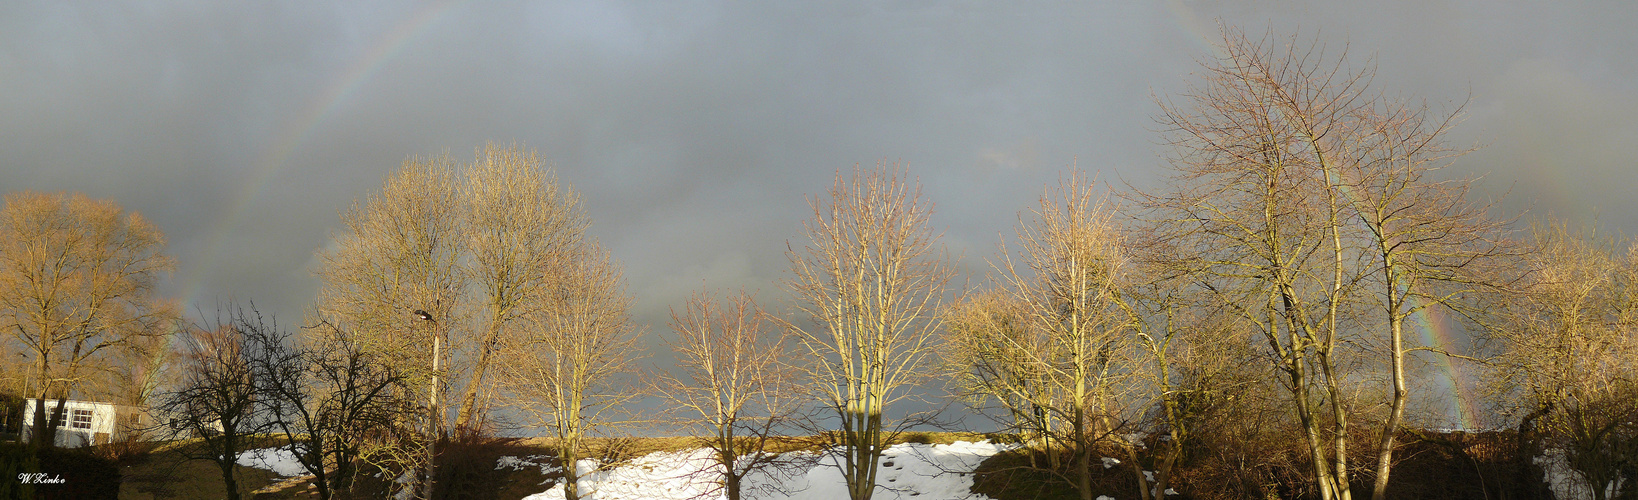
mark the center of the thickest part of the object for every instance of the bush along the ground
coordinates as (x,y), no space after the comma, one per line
(55,473)
(16,460)
(1446,465)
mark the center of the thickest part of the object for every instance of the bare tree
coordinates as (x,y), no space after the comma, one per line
(1189,347)
(77,279)
(985,352)
(329,397)
(397,266)
(1431,247)
(470,250)
(735,383)
(1069,279)
(399,255)
(870,278)
(1316,198)
(569,368)
(216,399)
(1085,325)
(1258,161)
(519,219)
(1568,350)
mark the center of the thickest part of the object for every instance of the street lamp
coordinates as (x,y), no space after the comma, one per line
(432,421)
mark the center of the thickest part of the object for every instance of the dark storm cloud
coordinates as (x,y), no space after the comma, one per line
(694,130)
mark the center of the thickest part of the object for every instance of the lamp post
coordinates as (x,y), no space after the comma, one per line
(432,420)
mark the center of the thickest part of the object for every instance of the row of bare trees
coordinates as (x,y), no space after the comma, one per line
(477,277)
(1308,214)
(500,262)
(1307,220)
(1100,324)
(450,276)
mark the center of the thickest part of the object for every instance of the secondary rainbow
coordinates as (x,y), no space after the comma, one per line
(301,127)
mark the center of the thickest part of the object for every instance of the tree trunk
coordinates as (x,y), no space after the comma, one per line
(321,480)
(866,453)
(58,415)
(731,478)
(227,478)
(730,485)
(36,429)
(1322,474)
(1528,442)
(42,433)
(1144,492)
(1083,466)
(1390,429)
(571,474)
(1339,430)
(1305,414)
(1083,454)
(1163,476)
(463,420)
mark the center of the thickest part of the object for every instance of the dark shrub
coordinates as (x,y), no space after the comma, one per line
(466,466)
(16,459)
(56,473)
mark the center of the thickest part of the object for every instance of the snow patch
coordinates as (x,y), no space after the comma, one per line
(907,471)
(657,476)
(541,461)
(281,461)
(1565,481)
(1136,439)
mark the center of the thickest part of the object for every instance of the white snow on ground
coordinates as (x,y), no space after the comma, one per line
(906,471)
(657,476)
(1565,482)
(281,461)
(918,471)
(541,461)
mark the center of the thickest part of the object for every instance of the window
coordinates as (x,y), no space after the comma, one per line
(82,419)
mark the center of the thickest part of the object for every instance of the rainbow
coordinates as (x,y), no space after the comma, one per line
(1436,332)
(1201,31)
(301,127)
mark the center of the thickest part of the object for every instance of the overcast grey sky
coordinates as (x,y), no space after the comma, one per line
(695,129)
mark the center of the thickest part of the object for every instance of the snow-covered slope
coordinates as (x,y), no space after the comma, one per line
(908,471)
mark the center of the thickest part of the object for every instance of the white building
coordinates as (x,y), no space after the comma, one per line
(87,422)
